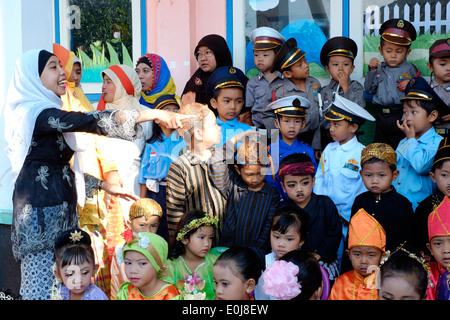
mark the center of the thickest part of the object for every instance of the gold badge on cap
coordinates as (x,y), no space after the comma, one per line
(296,103)
(400,24)
(412,82)
(232,70)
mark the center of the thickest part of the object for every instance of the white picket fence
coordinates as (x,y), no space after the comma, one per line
(373,17)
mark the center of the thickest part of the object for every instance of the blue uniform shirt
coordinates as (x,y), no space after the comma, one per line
(230,128)
(158,156)
(414,160)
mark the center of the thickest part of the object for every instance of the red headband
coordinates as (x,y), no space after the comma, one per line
(297,169)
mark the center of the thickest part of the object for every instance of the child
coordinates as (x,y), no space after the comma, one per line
(366,246)
(77,73)
(266,43)
(338,175)
(415,153)
(291,62)
(188,182)
(251,201)
(392,210)
(296,276)
(439,65)
(439,244)
(226,88)
(145,216)
(144,256)
(74,267)
(290,120)
(324,226)
(191,258)
(337,56)
(288,232)
(402,276)
(236,274)
(164,146)
(387,81)
(440,174)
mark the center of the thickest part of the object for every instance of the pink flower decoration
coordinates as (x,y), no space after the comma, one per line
(280,280)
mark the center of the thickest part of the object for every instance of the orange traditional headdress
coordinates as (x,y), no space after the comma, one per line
(439,220)
(365,230)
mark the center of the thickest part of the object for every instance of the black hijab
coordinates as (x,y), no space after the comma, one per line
(197,83)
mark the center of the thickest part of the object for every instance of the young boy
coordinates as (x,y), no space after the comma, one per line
(291,62)
(251,201)
(266,43)
(188,182)
(439,65)
(290,120)
(366,247)
(382,201)
(337,56)
(324,224)
(440,175)
(145,216)
(415,153)
(439,244)
(338,175)
(226,88)
(387,80)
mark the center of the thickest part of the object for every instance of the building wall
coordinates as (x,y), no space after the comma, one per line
(175,27)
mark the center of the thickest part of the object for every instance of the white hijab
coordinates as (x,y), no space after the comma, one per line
(27,98)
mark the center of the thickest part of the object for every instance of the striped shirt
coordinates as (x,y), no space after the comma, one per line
(249,214)
(189,187)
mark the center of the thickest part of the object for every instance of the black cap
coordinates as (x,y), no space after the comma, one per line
(226,77)
(338,46)
(398,31)
(419,89)
(287,55)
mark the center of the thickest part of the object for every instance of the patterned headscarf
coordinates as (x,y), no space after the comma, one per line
(162,79)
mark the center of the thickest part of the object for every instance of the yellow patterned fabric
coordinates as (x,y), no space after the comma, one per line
(380,151)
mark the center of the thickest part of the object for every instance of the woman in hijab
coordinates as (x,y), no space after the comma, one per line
(121,90)
(155,77)
(91,210)
(40,143)
(211,52)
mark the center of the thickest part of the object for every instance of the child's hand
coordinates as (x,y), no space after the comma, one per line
(344,81)
(445,118)
(409,131)
(402,85)
(373,64)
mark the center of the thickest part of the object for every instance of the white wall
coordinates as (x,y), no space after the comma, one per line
(24,25)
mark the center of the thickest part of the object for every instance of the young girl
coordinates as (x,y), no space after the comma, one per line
(236,274)
(288,233)
(191,263)
(144,257)
(74,267)
(403,276)
(161,149)
(296,276)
